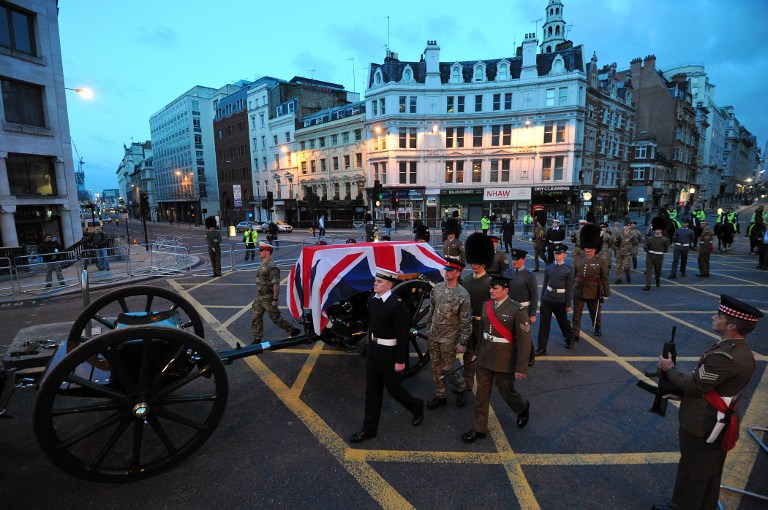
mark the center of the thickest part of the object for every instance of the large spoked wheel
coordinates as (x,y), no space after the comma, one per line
(137,299)
(130,403)
(415,294)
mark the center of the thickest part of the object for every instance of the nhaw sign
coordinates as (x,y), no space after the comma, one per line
(502,194)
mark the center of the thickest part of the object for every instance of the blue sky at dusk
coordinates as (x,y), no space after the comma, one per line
(138,56)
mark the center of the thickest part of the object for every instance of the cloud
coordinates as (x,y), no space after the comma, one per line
(160,36)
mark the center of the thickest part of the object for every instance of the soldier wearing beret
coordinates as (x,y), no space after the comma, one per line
(502,355)
(709,418)
(706,245)
(556,298)
(267,296)
(591,284)
(386,355)
(449,326)
(523,287)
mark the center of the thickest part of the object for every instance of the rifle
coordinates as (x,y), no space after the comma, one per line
(664,388)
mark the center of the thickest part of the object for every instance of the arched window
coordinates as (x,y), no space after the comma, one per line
(502,73)
(557,30)
(377,78)
(549,30)
(407,74)
(456,74)
(479,73)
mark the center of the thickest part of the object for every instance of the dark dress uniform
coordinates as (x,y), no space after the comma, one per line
(454,250)
(683,240)
(725,368)
(554,235)
(706,243)
(498,359)
(590,284)
(539,245)
(556,296)
(213,239)
(524,289)
(655,248)
(500,263)
(478,289)
(387,321)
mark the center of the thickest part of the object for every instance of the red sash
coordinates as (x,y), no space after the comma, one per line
(731,423)
(497,324)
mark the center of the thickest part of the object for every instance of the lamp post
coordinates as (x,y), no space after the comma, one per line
(85,93)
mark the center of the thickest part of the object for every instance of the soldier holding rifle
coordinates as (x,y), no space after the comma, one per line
(709,420)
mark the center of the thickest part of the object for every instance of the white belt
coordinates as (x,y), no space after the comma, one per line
(525,303)
(492,338)
(679,244)
(389,342)
(556,291)
(656,252)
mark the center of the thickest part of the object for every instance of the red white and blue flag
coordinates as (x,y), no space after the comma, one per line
(325,275)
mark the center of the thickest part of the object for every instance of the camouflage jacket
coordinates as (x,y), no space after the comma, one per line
(266,275)
(450,316)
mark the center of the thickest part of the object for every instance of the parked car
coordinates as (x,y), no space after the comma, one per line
(243,226)
(283,226)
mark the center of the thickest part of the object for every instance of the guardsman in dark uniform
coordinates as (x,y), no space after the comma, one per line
(539,243)
(478,284)
(656,246)
(267,296)
(500,261)
(386,355)
(213,239)
(554,235)
(682,240)
(523,287)
(709,418)
(556,298)
(502,355)
(591,284)
(706,244)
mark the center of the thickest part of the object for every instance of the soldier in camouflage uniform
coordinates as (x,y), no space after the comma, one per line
(624,245)
(267,293)
(449,326)
(616,232)
(639,238)
(605,251)
(539,243)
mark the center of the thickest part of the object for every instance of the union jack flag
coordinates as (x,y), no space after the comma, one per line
(325,275)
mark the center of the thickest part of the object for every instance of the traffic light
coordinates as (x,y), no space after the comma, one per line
(144,203)
(395,199)
(270,200)
(250,215)
(263,203)
(377,193)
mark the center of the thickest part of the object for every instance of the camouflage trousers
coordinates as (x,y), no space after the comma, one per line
(623,263)
(261,305)
(443,355)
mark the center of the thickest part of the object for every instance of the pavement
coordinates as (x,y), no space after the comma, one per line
(591,442)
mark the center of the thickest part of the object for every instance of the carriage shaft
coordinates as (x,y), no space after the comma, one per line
(228,356)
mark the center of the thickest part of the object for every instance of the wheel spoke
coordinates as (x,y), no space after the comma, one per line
(100,389)
(123,304)
(176,417)
(162,392)
(148,305)
(163,374)
(146,364)
(160,431)
(119,370)
(138,434)
(119,431)
(111,324)
(186,399)
(93,429)
(64,411)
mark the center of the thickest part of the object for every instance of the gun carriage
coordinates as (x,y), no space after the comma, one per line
(135,388)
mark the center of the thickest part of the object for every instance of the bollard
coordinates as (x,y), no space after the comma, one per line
(232,231)
(135,243)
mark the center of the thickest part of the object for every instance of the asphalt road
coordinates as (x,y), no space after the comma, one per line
(591,442)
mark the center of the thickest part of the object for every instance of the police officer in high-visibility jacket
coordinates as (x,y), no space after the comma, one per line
(250,238)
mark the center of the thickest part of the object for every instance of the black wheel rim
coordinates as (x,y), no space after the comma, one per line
(139,298)
(130,403)
(415,294)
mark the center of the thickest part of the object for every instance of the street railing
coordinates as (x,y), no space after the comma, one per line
(6,277)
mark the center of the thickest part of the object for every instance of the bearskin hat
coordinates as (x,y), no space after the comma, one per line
(422,232)
(479,249)
(589,237)
(658,223)
(541,218)
(452,226)
(590,217)
(210,222)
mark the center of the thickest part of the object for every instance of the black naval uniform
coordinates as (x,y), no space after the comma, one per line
(387,320)
(524,289)
(553,237)
(556,297)
(478,289)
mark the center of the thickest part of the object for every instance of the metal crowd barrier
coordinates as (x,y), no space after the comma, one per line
(6,277)
(36,275)
(163,259)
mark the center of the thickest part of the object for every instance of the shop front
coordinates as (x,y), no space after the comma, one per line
(502,201)
(558,201)
(468,201)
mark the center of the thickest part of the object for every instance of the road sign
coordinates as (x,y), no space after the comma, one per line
(124,215)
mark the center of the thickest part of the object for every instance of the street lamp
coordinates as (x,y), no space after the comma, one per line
(85,93)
